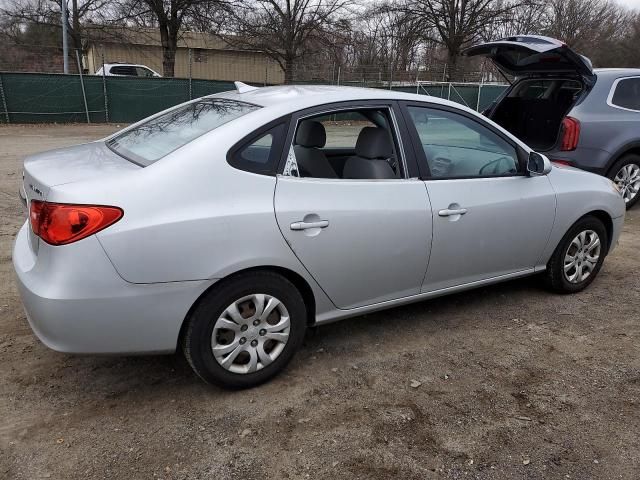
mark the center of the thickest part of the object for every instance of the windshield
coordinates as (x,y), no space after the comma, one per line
(162,135)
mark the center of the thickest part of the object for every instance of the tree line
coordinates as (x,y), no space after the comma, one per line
(399,34)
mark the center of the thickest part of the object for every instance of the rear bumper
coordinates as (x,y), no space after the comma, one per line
(77,303)
(590,159)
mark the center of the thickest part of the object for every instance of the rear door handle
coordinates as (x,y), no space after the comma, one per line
(308,225)
(450,212)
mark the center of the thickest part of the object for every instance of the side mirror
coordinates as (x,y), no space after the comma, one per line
(538,164)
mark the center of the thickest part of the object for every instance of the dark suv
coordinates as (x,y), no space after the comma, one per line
(562,107)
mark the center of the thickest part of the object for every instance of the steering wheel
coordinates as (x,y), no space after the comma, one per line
(496,165)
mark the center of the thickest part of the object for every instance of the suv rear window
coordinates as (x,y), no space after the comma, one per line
(161,135)
(627,94)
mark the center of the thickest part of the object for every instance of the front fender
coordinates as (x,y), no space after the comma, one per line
(579,193)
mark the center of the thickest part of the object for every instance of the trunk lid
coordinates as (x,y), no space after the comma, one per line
(531,55)
(43,171)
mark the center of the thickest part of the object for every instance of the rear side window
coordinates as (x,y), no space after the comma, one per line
(124,70)
(627,94)
(162,135)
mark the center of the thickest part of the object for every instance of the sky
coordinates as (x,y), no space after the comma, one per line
(630,3)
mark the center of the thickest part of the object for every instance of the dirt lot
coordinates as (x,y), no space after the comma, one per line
(515,383)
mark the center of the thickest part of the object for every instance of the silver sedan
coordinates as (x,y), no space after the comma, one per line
(227,225)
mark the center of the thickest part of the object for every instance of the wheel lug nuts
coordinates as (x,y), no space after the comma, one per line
(254,343)
(244,328)
(263,332)
(256,322)
(243,341)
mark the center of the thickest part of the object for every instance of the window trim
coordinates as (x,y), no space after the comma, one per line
(276,147)
(409,163)
(612,92)
(423,164)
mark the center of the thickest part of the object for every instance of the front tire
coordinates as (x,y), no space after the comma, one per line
(578,257)
(245,331)
(626,175)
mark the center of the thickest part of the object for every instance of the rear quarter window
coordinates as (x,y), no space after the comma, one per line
(627,94)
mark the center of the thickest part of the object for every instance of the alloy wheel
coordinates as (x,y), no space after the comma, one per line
(582,256)
(628,181)
(251,333)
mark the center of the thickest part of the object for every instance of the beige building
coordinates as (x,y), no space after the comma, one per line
(206,56)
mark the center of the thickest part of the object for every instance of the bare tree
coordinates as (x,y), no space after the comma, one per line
(45,16)
(523,19)
(168,16)
(457,22)
(579,22)
(283,29)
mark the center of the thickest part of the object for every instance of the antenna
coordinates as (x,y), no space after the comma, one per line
(244,88)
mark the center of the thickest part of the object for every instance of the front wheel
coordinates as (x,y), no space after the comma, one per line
(626,175)
(578,257)
(245,331)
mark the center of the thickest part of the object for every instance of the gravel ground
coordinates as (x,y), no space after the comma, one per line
(509,381)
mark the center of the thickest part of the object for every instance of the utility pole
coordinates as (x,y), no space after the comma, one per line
(65,46)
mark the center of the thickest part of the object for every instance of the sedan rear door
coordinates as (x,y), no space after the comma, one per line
(364,240)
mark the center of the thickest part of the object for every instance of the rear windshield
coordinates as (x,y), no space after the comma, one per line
(160,136)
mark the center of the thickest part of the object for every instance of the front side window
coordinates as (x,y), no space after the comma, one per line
(627,94)
(160,136)
(456,146)
(353,144)
(144,72)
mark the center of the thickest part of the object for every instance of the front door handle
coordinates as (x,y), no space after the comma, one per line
(308,225)
(447,212)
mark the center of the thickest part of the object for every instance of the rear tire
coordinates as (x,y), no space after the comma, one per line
(577,259)
(254,322)
(626,174)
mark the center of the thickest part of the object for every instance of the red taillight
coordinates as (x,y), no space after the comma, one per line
(62,223)
(570,134)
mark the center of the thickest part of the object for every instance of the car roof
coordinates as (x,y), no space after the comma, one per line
(613,73)
(296,97)
(116,64)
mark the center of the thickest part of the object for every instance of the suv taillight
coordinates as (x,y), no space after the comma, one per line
(570,134)
(63,223)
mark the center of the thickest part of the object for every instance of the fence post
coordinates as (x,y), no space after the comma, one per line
(190,87)
(449,92)
(4,101)
(84,94)
(480,86)
(104,91)
(338,82)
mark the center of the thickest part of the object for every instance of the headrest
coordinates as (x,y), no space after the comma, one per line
(374,143)
(311,134)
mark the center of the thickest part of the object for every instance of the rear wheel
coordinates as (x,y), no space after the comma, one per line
(578,257)
(626,174)
(246,331)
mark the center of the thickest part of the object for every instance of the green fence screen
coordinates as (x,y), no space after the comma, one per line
(39,98)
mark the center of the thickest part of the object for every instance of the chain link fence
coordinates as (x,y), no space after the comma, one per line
(33,89)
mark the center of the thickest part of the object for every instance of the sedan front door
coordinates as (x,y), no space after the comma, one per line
(490,219)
